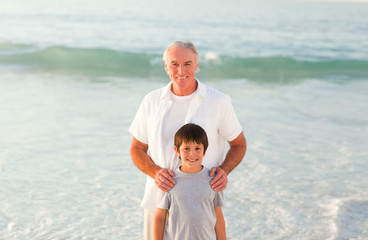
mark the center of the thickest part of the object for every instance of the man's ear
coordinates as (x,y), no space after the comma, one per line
(197,66)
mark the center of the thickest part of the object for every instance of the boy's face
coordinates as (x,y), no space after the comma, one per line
(191,154)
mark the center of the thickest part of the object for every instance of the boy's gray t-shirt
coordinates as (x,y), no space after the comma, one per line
(191,206)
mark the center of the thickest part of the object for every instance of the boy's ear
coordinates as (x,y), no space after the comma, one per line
(177,151)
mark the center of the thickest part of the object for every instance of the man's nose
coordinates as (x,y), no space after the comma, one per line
(180,69)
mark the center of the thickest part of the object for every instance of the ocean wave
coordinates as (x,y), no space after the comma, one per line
(109,62)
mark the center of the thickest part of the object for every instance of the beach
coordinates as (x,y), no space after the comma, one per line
(73,76)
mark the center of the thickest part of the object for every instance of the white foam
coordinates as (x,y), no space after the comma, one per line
(331,211)
(211,56)
(348,218)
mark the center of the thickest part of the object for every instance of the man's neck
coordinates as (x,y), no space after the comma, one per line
(184,92)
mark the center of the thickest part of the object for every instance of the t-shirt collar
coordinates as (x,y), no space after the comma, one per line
(201,92)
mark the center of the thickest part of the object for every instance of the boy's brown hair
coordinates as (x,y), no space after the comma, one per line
(191,132)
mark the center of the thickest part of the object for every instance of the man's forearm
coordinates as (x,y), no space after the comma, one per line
(235,154)
(144,163)
(142,160)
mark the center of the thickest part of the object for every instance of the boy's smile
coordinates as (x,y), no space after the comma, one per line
(191,154)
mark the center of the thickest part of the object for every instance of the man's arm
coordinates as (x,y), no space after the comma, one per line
(163,177)
(220,228)
(233,157)
(159,224)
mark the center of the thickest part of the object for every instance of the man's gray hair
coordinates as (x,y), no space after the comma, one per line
(182,44)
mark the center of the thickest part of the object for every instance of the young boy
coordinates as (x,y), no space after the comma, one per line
(192,207)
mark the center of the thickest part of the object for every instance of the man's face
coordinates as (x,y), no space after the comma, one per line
(181,65)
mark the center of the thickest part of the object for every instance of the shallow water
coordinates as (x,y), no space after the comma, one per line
(66,170)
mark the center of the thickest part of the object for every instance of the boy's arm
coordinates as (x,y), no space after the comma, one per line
(220,224)
(159,224)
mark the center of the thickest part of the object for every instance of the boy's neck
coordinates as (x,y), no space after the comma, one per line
(184,170)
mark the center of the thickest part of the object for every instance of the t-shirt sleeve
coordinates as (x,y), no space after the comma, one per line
(163,200)
(138,128)
(219,199)
(230,126)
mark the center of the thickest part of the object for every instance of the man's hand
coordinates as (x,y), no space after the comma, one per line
(234,156)
(219,182)
(164,179)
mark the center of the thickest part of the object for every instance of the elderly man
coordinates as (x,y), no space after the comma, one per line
(163,111)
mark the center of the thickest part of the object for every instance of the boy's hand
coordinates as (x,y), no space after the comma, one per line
(164,179)
(219,182)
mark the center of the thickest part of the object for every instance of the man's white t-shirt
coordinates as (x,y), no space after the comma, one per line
(175,119)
